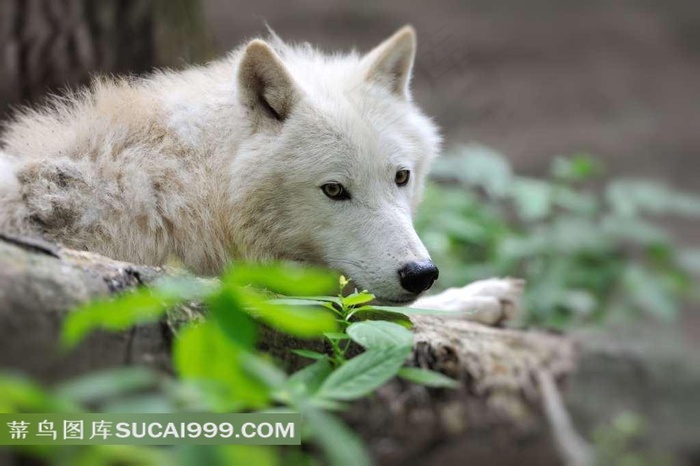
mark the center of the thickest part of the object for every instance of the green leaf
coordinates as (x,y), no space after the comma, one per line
(578,202)
(297,302)
(20,394)
(341,446)
(143,305)
(570,234)
(128,309)
(578,302)
(406,310)
(634,196)
(197,455)
(427,378)
(329,405)
(151,403)
(357,298)
(227,309)
(111,455)
(300,321)
(287,279)
(533,198)
(108,383)
(380,334)
(364,373)
(264,370)
(307,381)
(309,354)
(313,300)
(395,317)
(257,455)
(476,165)
(577,168)
(633,229)
(226,455)
(204,353)
(332,304)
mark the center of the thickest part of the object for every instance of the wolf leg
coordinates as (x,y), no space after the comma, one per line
(489,302)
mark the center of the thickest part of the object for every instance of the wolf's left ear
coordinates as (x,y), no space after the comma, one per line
(391,62)
(264,83)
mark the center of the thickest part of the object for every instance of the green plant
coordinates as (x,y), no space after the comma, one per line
(624,441)
(589,250)
(220,369)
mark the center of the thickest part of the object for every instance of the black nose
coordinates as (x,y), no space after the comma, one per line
(417,277)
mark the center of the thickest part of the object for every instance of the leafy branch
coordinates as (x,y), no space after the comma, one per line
(220,369)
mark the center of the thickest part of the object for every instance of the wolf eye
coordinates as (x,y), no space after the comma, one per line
(335,191)
(402,177)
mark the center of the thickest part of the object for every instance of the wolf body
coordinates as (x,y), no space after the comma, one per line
(275,152)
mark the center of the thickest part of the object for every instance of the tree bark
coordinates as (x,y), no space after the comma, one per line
(48,45)
(497,416)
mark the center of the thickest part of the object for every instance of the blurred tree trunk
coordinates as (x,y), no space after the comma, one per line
(46,45)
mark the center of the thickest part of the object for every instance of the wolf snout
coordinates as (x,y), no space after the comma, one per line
(417,277)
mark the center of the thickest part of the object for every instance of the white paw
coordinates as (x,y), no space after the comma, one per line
(489,302)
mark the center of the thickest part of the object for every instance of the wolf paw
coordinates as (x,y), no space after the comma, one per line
(505,294)
(489,302)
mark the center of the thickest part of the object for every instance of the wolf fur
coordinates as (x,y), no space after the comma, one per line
(225,161)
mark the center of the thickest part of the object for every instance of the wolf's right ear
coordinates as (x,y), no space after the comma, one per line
(264,84)
(391,62)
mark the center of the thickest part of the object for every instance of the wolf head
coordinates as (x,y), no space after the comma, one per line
(335,162)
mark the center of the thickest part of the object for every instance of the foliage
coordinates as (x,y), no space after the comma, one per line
(589,250)
(623,441)
(220,369)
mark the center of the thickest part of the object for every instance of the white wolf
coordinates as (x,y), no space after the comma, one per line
(274,152)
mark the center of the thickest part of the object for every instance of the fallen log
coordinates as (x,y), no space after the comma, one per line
(503,413)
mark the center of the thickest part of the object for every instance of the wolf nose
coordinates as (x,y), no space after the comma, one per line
(417,277)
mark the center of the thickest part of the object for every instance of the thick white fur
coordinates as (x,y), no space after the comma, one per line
(226,161)
(191,164)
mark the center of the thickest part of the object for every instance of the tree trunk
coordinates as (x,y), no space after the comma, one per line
(48,45)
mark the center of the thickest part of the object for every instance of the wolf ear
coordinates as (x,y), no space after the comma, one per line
(264,83)
(391,62)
